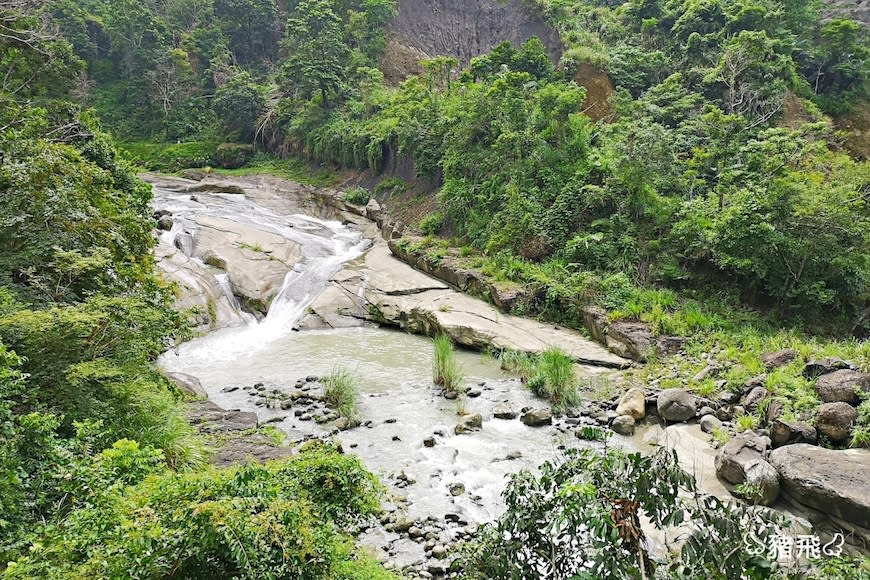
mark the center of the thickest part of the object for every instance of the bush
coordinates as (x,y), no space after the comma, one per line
(234,155)
(357,195)
(340,391)
(284,520)
(445,370)
(554,379)
(431,224)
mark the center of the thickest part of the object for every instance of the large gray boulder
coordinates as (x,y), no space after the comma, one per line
(537,417)
(742,461)
(469,423)
(833,482)
(835,420)
(624,425)
(189,384)
(774,360)
(839,386)
(633,403)
(676,405)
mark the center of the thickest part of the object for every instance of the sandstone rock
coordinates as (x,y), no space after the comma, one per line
(630,339)
(676,405)
(831,481)
(504,411)
(710,423)
(742,461)
(469,423)
(624,425)
(537,417)
(188,383)
(633,403)
(839,386)
(785,433)
(775,360)
(835,420)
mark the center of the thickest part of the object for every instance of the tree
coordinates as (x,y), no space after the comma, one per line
(250,27)
(316,51)
(238,104)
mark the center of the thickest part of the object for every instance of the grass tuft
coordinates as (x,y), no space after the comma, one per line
(340,390)
(445,370)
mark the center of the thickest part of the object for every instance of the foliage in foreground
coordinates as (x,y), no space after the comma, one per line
(340,391)
(446,372)
(283,520)
(580,519)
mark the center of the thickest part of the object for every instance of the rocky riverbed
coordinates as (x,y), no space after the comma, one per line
(262,258)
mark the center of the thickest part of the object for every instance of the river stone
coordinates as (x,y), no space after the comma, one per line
(632,340)
(188,383)
(831,481)
(710,423)
(456,489)
(537,417)
(835,420)
(742,460)
(676,405)
(429,442)
(165,223)
(504,411)
(775,360)
(839,386)
(624,425)
(469,423)
(785,433)
(633,403)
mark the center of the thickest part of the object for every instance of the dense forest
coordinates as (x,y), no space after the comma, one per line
(713,194)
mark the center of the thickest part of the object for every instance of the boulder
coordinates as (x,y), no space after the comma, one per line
(595,320)
(537,417)
(630,340)
(755,397)
(624,425)
(508,296)
(504,411)
(469,423)
(710,423)
(742,461)
(676,405)
(786,433)
(189,384)
(816,368)
(835,420)
(831,481)
(373,210)
(839,386)
(633,403)
(775,360)
(165,223)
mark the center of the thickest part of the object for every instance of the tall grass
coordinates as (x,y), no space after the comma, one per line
(445,370)
(549,375)
(339,391)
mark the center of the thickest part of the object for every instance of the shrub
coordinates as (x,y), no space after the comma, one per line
(554,379)
(340,391)
(357,195)
(445,370)
(431,224)
(234,155)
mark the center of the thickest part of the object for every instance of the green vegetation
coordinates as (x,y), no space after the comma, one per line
(549,375)
(340,391)
(357,195)
(604,495)
(446,372)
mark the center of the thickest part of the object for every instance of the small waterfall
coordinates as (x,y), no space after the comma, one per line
(227,289)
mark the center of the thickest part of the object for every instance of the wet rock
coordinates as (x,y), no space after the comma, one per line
(537,417)
(230,389)
(785,433)
(676,405)
(624,425)
(188,384)
(286,405)
(504,411)
(165,223)
(341,423)
(835,420)
(469,423)
(839,386)
(451,394)
(439,552)
(513,455)
(816,368)
(473,393)
(831,481)
(742,461)
(710,423)
(633,403)
(775,360)
(456,489)
(429,442)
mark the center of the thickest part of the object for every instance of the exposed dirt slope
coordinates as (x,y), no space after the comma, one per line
(462,28)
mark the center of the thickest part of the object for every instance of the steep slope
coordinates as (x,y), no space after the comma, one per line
(859,11)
